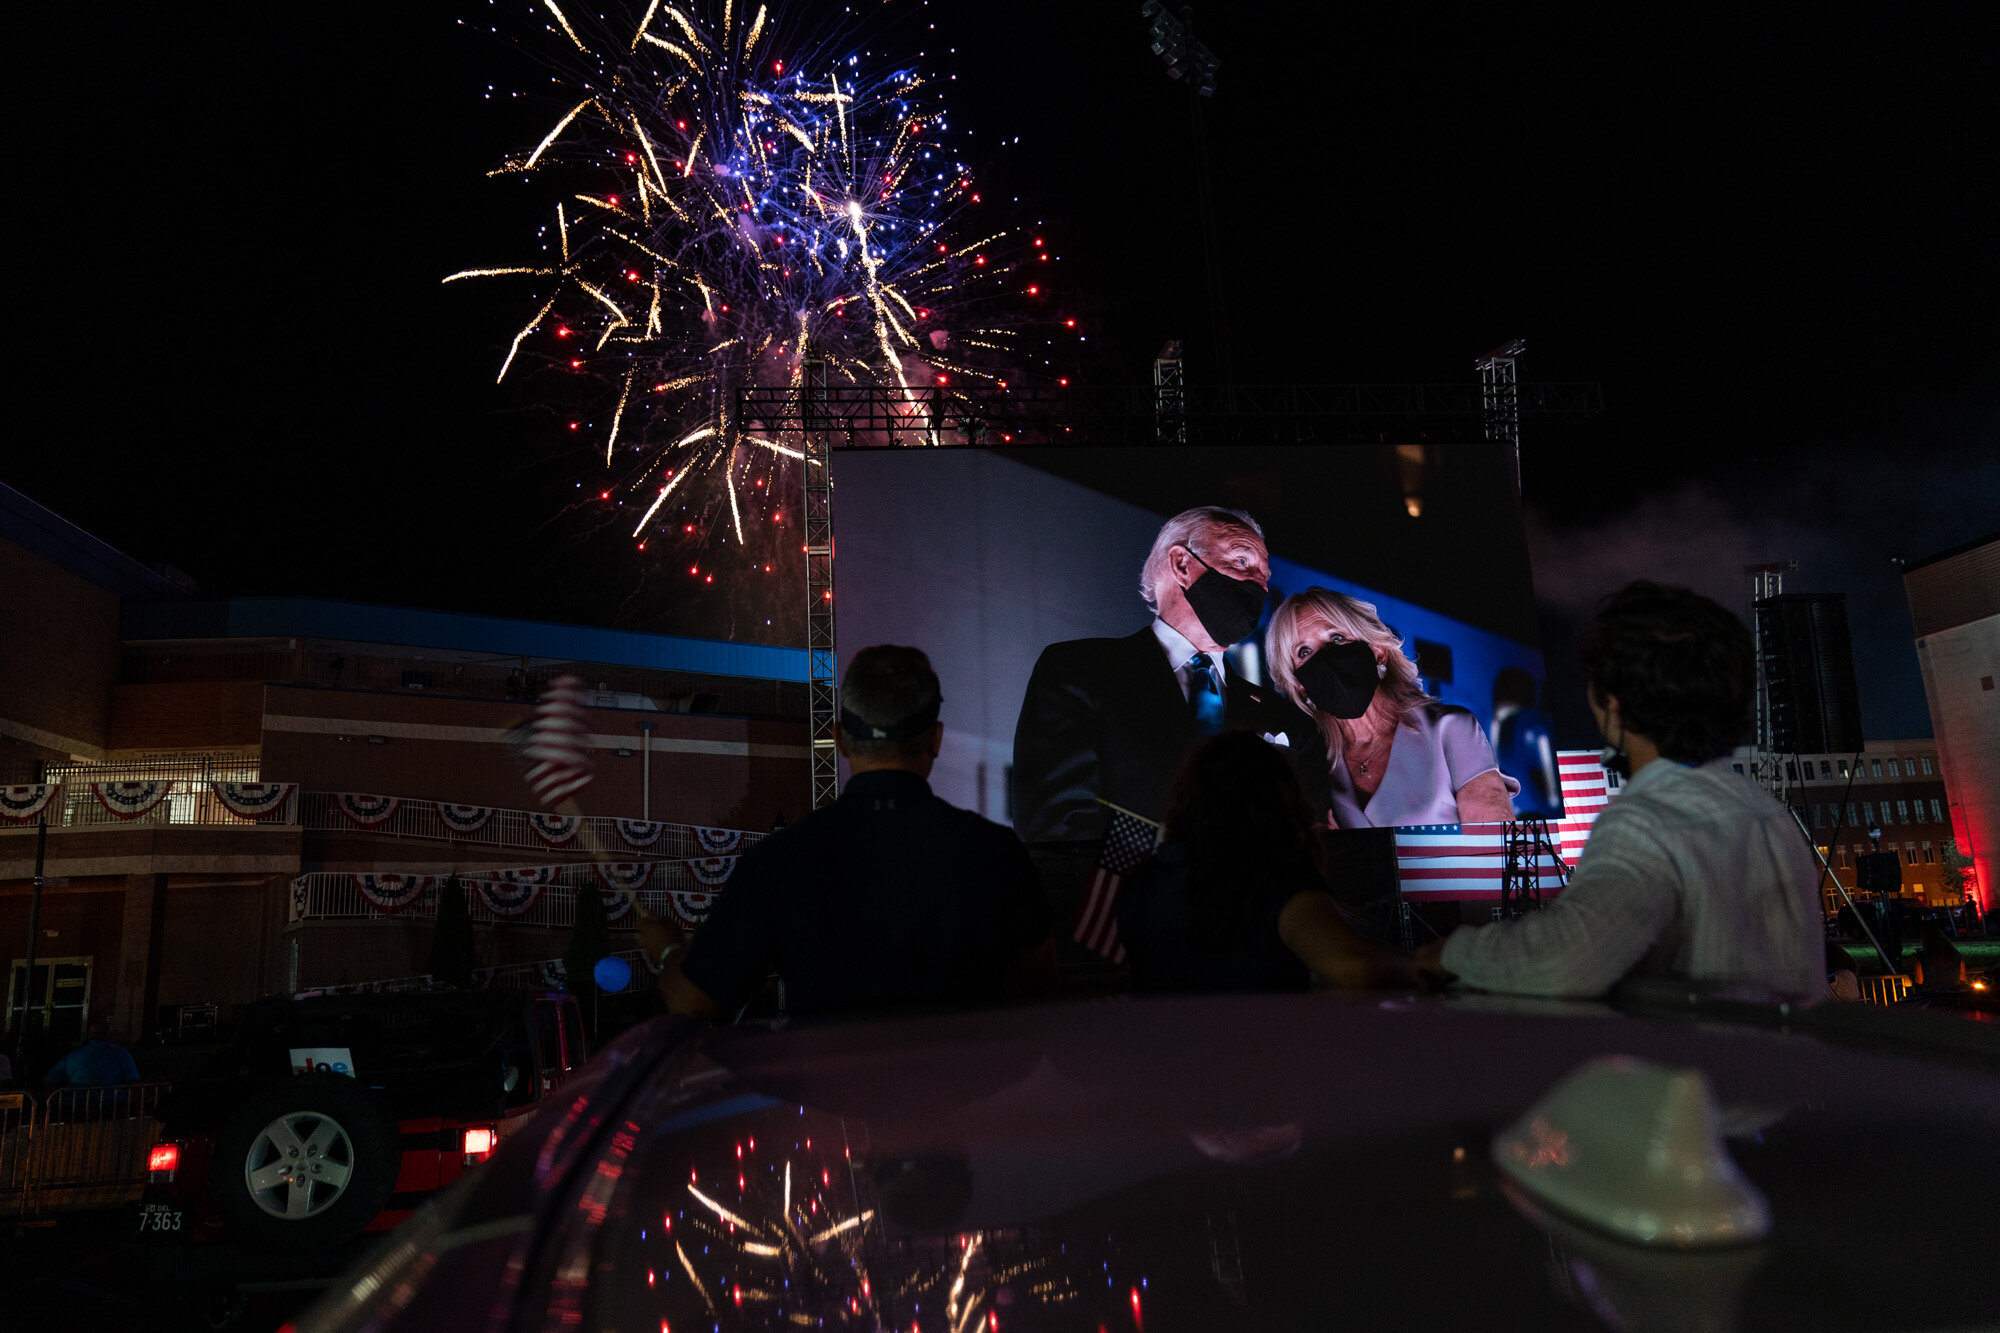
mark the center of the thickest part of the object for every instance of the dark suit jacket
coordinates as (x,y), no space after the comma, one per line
(1105,718)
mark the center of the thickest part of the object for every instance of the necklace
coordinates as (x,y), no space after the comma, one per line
(1369,752)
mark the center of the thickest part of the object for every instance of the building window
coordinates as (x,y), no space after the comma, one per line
(1737,767)
(1852,818)
(1843,768)
(1868,812)
(1791,770)
(1819,815)
(1902,812)
(1910,852)
(1909,768)
(1825,769)
(1927,853)
(1927,765)
(1937,812)
(1875,766)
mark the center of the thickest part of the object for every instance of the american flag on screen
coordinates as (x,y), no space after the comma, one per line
(1128,841)
(1468,862)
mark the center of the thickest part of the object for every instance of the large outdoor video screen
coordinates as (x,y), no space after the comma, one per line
(1367,607)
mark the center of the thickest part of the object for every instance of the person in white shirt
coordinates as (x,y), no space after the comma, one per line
(1694,872)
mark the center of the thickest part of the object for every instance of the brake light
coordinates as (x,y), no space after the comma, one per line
(163,1161)
(479,1141)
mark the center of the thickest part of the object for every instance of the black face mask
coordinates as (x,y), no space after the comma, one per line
(1227,608)
(1340,678)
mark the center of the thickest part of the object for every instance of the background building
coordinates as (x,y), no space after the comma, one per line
(1893,786)
(1955,608)
(162,896)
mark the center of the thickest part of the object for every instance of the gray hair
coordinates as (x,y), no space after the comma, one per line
(1182,530)
(888,686)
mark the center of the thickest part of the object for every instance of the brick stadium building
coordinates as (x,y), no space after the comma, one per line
(161,895)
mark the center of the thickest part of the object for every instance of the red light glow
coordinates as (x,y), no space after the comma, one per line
(164,1157)
(1069,323)
(479,1140)
(1034,291)
(980,260)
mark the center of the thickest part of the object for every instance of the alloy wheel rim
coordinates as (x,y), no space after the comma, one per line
(299,1165)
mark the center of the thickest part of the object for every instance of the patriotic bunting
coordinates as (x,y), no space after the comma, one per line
(527,874)
(130,800)
(616,904)
(625,876)
(507,900)
(690,909)
(640,832)
(366,810)
(254,800)
(464,818)
(718,841)
(390,894)
(24,802)
(711,870)
(558,749)
(555,830)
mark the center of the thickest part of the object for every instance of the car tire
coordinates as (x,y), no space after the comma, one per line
(305,1164)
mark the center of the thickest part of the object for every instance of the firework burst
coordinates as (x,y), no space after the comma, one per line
(738,196)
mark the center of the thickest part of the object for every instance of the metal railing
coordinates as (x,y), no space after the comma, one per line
(599,835)
(330,896)
(79,1148)
(1884,989)
(541,973)
(190,797)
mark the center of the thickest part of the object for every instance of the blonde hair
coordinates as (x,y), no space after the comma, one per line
(1202,523)
(1302,613)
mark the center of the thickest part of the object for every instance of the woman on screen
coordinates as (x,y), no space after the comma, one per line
(1397,756)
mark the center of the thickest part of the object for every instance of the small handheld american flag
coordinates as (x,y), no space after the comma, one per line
(557,752)
(1129,840)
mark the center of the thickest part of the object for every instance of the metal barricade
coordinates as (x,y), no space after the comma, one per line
(82,1148)
(1885,989)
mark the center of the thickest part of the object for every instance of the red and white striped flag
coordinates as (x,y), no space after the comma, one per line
(1128,841)
(558,748)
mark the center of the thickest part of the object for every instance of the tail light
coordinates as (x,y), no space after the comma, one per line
(162,1162)
(479,1141)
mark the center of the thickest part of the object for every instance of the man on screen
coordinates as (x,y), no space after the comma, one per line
(1111,718)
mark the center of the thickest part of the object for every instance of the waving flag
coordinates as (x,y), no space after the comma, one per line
(1128,842)
(558,748)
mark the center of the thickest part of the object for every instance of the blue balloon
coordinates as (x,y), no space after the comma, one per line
(613,974)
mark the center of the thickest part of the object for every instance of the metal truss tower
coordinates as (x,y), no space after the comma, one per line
(1766,765)
(1500,398)
(1170,395)
(822,697)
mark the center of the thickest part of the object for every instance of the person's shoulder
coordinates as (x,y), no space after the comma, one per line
(1437,715)
(1074,653)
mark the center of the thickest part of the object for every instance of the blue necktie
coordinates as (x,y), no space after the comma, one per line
(1204,695)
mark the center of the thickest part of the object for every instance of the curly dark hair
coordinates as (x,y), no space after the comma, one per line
(1237,807)
(1681,667)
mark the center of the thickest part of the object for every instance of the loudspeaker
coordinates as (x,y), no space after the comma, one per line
(1878,872)
(1809,671)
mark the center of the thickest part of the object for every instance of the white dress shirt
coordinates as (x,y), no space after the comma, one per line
(1693,872)
(1179,648)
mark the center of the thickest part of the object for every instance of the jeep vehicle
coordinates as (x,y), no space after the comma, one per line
(333,1116)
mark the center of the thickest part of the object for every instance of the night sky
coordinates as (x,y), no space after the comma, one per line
(1769,237)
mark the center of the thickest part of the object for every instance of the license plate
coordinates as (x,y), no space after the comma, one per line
(160,1217)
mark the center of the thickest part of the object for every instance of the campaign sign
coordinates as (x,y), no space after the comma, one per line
(322,1060)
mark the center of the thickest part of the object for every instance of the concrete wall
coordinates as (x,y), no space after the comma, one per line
(206,715)
(58,659)
(721,771)
(1960,667)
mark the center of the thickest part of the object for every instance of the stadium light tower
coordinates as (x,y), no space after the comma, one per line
(1172,39)
(1174,43)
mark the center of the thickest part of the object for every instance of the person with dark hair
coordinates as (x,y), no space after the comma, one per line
(1235,898)
(1694,872)
(1524,743)
(888,897)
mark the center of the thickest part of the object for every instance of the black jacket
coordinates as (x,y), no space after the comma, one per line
(1106,718)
